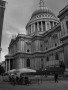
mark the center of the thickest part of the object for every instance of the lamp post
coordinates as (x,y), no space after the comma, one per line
(45,71)
(42,75)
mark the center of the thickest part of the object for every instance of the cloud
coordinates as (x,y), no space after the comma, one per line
(3,56)
(10,34)
(18,11)
(22,30)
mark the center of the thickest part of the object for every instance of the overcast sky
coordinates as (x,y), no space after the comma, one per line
(18,13)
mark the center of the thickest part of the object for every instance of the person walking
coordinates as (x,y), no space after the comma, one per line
(56,77)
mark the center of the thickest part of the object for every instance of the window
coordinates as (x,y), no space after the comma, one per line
(28,62)
(67,24)
(41,60)
(55,40)
(39,15)
(47,59)
(28,50)
(46,44)
(46,48)
(56,57)
(41,63)
(46,15)
(43,15)
(55,44)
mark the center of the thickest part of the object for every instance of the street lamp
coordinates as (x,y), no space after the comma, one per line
(42,75)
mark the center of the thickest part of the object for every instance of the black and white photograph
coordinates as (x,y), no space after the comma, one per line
(33,44)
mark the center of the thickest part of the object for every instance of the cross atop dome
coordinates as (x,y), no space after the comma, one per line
(42,3)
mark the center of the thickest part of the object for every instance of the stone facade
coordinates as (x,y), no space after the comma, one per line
(44,45)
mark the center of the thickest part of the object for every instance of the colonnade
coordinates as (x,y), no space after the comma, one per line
(8,64)
(40,26)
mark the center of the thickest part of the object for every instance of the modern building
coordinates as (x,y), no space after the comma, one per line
(45,44)
(2,9)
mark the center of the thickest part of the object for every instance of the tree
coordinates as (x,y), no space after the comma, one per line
(1,69)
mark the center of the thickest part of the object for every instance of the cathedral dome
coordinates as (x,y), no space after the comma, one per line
(43,10)
(41,20)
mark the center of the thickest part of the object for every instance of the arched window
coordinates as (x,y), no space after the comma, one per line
(28,62)
(28,50)
(56,57)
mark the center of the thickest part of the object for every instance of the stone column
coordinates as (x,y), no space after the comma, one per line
(6,65)
(13,63)
(38,26)
(19,45)
(20,63)
(41,26)
(23,63)
(31,29)
(34,27)
(9,64)
(53,24)
(49,25)
(45,26)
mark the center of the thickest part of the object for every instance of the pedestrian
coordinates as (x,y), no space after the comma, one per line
(56,77)
(14,79)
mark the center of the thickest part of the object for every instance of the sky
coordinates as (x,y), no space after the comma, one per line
(18,13)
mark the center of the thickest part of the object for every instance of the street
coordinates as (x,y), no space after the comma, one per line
(45,85)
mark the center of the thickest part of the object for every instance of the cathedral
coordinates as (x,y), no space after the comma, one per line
(45,44)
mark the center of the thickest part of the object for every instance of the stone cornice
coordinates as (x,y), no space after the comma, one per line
(9,56)
(42,19)
(39,53)
(64,37)
(63,12)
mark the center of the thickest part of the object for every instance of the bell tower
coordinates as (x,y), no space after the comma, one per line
(2,9)
(63,15)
